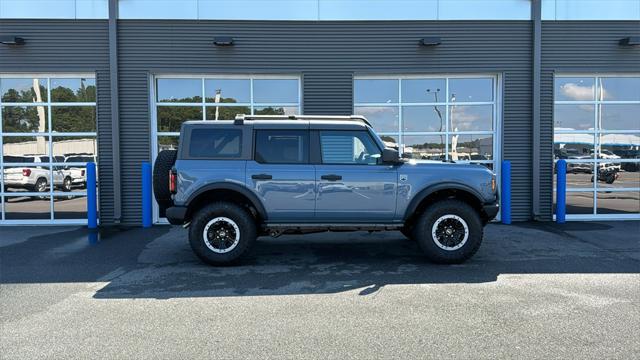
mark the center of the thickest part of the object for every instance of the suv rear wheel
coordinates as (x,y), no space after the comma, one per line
(221,233)
(449,232)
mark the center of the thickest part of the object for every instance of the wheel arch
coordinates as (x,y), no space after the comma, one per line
(443,191)
(226,191)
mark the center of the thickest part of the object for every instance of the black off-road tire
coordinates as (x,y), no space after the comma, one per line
(163,164)
(440,210)
(239,215)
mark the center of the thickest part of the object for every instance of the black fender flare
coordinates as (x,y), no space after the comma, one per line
(424,193)
(255,201)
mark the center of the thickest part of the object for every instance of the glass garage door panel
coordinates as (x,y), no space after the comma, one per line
(597,131)
(432,117)
(177,99)
(47,135)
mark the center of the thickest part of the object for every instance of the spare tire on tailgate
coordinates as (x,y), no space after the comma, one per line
(162,166)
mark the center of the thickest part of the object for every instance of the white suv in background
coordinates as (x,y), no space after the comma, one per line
(33,178)
(78,173)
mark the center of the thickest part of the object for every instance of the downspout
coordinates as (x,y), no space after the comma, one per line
(536,17)
(115,112)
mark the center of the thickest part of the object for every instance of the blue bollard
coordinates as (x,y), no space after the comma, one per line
(505,186)
(561,192)
(92,197)
(146,195)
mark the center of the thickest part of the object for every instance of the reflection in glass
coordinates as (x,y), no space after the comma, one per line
(618,146)
(578,176)
(274,91)
(471,147)
(81,149)
(573,117)
(381,91)
(73,90)
(33,147)
(70,207)
(23,90)
(627,175)
(573,146)
(73,118)
(390,141)
(423,118)
(179,90)
(27,208)
(170,118)
(423,90)
(426,147)
(470,90)
(620,117)
(619,89)
(471,117)
(627,202)
(226,112)
(26,178)
(579,202)
(167,143)
(227,90)
(383,118)
(276,110)
(24,119)
(574,89)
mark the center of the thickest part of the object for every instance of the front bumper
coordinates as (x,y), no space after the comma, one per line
(176,214)
(490,210)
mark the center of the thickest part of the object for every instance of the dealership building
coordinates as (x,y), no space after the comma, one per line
(529,81)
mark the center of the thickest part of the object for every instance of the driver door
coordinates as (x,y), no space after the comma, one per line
(353,185)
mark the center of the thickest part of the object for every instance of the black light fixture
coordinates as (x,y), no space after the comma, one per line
(630,41)
(223,41)
(11,40)
(430,41)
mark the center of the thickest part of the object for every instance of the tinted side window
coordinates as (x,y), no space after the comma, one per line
(215,143)
(348,147)
(282,146)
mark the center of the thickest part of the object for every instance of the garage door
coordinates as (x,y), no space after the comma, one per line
(597,131)
(47,135)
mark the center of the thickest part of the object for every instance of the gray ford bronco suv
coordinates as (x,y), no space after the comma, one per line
(232,181)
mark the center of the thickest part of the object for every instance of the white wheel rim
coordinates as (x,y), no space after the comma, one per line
(217,235)
(450,232)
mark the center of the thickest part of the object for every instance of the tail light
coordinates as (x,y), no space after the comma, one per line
(173,182)
(26,172)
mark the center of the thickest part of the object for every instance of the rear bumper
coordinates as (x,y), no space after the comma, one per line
(491,210)
(176,214)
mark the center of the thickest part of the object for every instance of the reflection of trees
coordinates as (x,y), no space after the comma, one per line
(73,118)
(20,119)
(271,111)
(171,117)
(26,96)
(82,94)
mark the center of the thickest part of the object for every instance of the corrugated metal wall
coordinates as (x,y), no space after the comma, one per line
(327,54)
(584,47)
(55,46)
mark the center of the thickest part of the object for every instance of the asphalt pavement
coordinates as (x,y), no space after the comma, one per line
(534,290)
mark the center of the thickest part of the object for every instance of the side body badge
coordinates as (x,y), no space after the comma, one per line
(403,177)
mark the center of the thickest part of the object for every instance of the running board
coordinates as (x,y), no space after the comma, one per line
(330,227)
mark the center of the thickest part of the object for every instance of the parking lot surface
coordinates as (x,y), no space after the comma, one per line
(533,290)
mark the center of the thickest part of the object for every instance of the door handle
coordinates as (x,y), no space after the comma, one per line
(261,177)
(331,177)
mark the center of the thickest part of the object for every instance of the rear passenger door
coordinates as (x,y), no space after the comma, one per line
(281,175)
(353,184)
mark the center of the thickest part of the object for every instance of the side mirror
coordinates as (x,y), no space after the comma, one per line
(390,156)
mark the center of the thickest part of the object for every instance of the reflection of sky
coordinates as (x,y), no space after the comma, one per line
(264,90)
(19,84)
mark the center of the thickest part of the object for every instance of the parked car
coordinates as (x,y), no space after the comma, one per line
(77,172)
(231,181)
(33,178)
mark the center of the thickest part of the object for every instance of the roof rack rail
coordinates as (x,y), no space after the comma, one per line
(240,118)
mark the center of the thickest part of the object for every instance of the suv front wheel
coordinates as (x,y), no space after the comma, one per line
(449,231)
(221,233)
